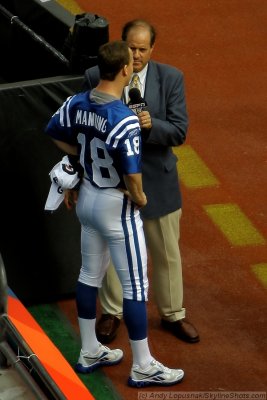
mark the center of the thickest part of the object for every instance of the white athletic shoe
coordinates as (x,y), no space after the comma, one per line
(104,356)
(154,374)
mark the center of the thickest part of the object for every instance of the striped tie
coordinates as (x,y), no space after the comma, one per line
(135,82)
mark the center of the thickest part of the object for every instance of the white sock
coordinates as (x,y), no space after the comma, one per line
(141,353)
(89,340)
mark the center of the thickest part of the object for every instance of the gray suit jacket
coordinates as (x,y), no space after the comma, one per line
(165,97)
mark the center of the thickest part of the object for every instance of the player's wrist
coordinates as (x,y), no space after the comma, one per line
(74,160)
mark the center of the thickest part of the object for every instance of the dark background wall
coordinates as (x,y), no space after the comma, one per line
(40,250)
(32,36)
(41,39)
(41,65)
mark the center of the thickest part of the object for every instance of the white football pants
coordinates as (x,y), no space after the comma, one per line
(111,226)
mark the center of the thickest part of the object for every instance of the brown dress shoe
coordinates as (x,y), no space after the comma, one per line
(182,329)
(107,328)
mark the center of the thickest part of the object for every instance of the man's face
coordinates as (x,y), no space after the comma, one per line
(130,65)
(138,39)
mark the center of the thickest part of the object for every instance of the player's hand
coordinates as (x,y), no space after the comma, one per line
(144,200)
(70,198)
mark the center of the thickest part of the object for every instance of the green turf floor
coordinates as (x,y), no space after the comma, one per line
(59,330)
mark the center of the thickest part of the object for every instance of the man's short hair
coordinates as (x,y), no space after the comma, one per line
(139,22)
(112,57)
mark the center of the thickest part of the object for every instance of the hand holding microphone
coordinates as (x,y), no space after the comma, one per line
(139,106)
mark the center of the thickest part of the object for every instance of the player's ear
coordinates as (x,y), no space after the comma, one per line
(125,70)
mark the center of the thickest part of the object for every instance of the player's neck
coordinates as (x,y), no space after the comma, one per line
(110,87)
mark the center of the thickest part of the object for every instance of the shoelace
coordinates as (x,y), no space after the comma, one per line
(105,347)
(160,365)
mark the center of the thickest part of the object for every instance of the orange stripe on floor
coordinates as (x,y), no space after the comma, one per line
(48,354)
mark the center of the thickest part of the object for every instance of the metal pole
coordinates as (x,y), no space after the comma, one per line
(16,21)
(22,370)
(3,289)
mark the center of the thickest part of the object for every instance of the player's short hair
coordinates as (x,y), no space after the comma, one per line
(112,57)
(139,22)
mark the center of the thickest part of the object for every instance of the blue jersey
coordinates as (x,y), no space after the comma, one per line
(108,135)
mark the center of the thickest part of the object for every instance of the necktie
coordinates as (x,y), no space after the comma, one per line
(135,82)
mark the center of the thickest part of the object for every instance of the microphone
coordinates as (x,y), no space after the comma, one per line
(137,103)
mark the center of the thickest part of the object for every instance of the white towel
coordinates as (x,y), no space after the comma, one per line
(62,176)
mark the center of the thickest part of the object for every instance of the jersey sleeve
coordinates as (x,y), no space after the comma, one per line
(127,142)
(60,125)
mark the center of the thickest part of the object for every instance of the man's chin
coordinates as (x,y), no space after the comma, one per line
(137,67)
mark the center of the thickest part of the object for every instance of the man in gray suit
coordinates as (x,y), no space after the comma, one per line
(164,124)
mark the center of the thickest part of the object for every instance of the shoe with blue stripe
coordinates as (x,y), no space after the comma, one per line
(105,356)
(154,374)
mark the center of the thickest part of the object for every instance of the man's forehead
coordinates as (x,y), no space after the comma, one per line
(139,31)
